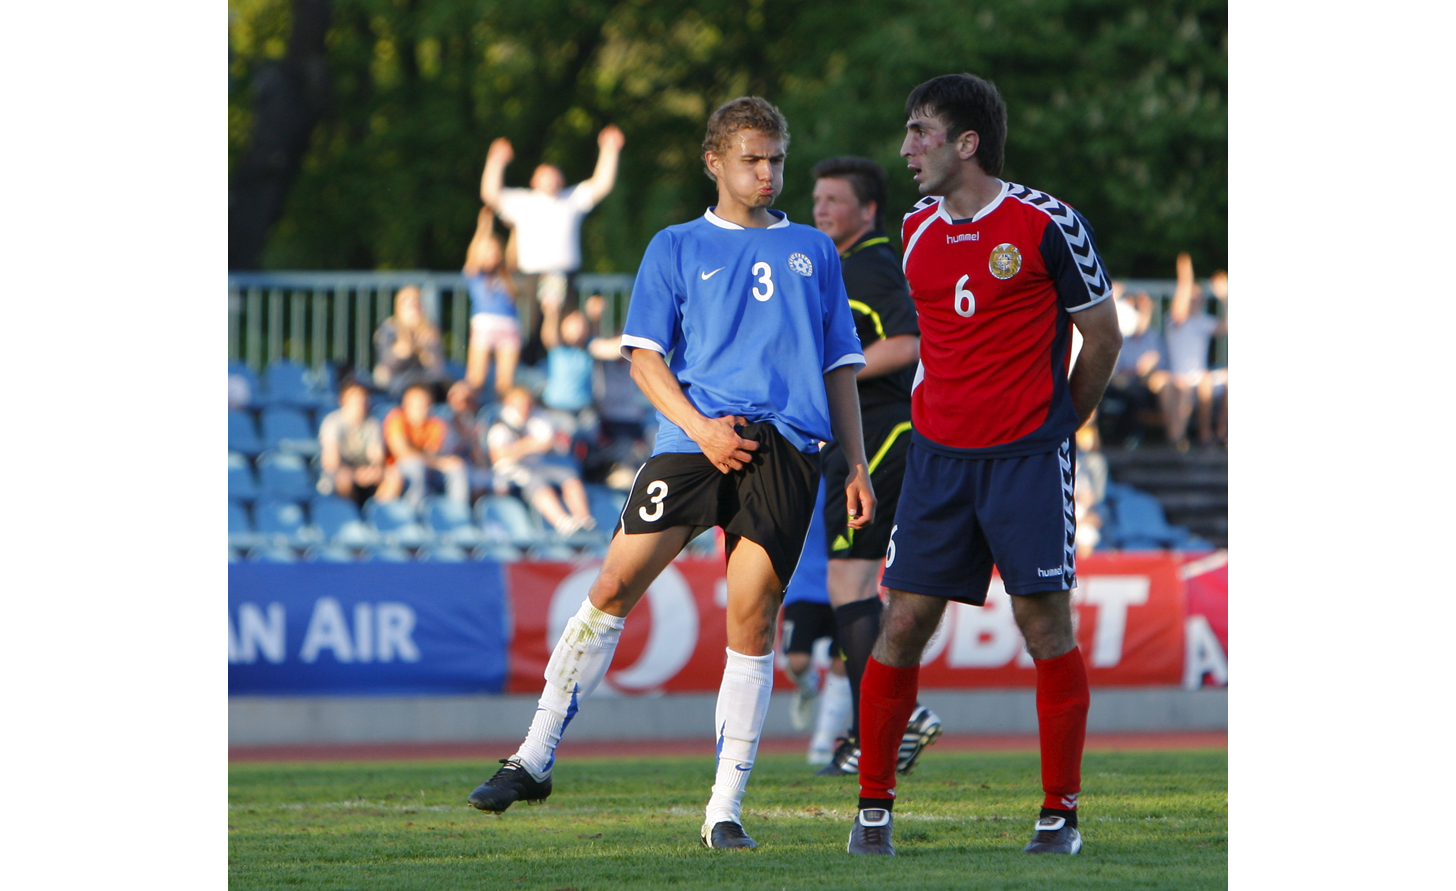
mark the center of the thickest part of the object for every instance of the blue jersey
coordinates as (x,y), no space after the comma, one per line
(488,295)
(750,321)
(810,580)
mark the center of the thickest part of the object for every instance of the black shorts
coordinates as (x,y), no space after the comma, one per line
(769,502)
(805,622)
(887,438)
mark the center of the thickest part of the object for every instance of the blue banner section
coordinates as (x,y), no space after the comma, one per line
(375,629)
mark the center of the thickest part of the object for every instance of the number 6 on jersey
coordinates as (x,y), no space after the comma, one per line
(965,301)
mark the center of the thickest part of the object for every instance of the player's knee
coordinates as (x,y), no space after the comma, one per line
(609,592)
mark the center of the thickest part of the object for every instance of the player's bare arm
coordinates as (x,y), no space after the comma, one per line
(843,395)
(491,179)
(717,437)
(888,355)
(1101,342)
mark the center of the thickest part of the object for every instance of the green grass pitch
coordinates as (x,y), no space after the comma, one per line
(1150,819)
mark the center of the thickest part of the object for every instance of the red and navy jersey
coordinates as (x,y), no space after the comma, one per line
(993,294)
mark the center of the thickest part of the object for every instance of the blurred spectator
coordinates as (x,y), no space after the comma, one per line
(352,447)
(522,442)
(416,461)
(407,346)
(1218,284)
(1139,382)
(1090,487)
(494,328)
(1189,332)
(547,219)
(465,436)
(570,359)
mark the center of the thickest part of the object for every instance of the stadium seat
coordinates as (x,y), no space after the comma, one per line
(396,522)
(705,545)
(241,484)
(1140,522)
(287,429)
(330,553)
(289,383)
(552,550)
(285,477)
(243,433)
(606,506)
(387,555)
(243,389)
(282,522)
(338,521)
(381,406)
(506,518)
(234,556)
(444,553)
(451,521)
(240,528)
(272,554)
(499,551)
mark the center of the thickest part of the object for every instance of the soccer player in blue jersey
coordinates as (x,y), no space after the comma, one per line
(740,333)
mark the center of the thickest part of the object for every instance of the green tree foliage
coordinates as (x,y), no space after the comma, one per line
(1118,108)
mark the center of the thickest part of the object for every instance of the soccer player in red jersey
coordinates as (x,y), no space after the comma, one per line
(1000,274)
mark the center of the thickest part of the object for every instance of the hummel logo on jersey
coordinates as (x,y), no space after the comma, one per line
(1049,573)
(970,236)
(708,275)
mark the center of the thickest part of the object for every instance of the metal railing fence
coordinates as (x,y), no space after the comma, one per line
(324,318)
(320,319)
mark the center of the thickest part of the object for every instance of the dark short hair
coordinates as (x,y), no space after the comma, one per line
(745,112)
(866,178)
(966,102)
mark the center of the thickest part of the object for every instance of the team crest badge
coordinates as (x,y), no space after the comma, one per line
(801,264)
(1005,261)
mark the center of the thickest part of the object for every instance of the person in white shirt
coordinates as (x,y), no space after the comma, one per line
(547,219)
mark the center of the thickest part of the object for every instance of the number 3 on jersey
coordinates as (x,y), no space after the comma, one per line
(965,301)
(764,273)
(658,490)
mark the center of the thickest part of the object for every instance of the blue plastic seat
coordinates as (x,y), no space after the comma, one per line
(499,551)
(380,407)
(387,555)
(287,429)
(240,375)
(505,518)
(329,553)
(282,522)
(242,486)
(444,553)
(606,506)
(288,383)
(240,528)
(451,521)
(338,521)
(285,477)
(243,433)
(396,522)
(273,554)
(552,550)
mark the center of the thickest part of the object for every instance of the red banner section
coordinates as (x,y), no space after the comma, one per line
(1129,609)
(1205,585)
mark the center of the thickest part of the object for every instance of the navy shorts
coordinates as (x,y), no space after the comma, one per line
(960,516)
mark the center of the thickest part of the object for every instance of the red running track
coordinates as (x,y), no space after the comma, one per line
(470,751)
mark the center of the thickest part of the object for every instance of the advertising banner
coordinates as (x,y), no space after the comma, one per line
(1129,611)
(1205,584)
(376,629)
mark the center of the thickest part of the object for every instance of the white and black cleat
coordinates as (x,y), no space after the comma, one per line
(922,730)
(844,761)
(871,832)
(1054,836)
(726,834)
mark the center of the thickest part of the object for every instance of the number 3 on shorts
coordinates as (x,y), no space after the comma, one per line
(890,553)
(658,490)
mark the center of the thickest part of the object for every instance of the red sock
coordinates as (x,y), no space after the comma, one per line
(1061,711)
(886,700)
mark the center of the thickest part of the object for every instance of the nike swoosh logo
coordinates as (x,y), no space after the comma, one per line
(708,275)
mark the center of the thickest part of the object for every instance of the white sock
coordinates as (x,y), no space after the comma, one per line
(742,706)
(577,665)
(834,711)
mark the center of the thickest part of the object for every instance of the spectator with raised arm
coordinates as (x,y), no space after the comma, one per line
(547,219)
(1189,331)
(494,328)
(407,346)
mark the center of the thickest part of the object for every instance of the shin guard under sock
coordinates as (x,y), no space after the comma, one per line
(1062,696)
(887,699)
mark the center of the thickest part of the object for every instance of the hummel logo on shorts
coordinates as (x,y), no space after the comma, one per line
(1049,573)
(708,275)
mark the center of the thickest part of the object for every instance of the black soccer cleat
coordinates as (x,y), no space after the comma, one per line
(727,835)
(1054,836)
(871,832)
(844,761)
(923,729)
(512,783)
